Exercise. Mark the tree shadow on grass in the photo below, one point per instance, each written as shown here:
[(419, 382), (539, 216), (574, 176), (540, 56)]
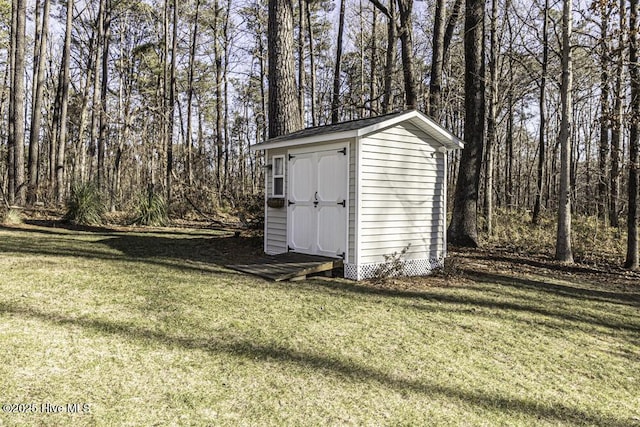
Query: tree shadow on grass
[(326, 364), (605, 274), (180, 251), (559, 308), (64, 225), (574, 292), (220, 250), (54, 227), (195, 253), (146, 244)]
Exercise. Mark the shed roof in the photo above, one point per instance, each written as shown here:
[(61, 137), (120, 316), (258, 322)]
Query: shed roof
[(363, 127)]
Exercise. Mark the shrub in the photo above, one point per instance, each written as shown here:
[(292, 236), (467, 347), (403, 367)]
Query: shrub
[(151, 210), (85, 205), (11, 217), (250, 210), (393, 266)]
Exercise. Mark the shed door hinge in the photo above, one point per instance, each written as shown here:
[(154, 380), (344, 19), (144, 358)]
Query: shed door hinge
[(342, 255), (343, 151), (289, 203), (343, 203), (291, 156)]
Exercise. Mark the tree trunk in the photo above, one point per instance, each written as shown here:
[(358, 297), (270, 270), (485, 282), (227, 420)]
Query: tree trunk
[(563, 237), (11, 140), (64, 104), (103, 130), (284, 116), (335, 100), (603, 152), (124, 117), (225, 79), (301, 45), (192, 59), (492, 135), (53, 139), (96, 110), (218, 92), (508, 178), (463, 230), (387, 100), (39, 63), (616, 132), (633, 218), (542, 105), (19, 102), (172, 100), (437, 58), (262, 122), (405, 8), (373, 103), (361, 97), (312, 65), (451, 26)]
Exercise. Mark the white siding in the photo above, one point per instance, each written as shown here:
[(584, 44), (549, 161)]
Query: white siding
[(402, 195), (353, 157), (276, 219)]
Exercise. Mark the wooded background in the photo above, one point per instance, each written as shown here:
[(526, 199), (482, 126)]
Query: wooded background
[(168, 96)]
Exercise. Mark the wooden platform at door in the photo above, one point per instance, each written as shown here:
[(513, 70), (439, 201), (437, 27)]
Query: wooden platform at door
[(289, 266)]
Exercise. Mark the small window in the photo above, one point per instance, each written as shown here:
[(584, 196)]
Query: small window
[(278, 176)]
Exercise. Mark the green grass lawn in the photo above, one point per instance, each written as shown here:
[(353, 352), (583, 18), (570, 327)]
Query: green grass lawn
[(150, 328)]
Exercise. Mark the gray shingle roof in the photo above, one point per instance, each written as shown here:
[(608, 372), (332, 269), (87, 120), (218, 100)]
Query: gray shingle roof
[(362, 127), (337, 127)]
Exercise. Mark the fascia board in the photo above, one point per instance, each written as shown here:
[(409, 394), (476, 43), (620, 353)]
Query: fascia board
[(441, 135), (304, 141)]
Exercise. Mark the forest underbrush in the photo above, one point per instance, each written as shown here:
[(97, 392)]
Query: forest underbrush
[(594, 242)]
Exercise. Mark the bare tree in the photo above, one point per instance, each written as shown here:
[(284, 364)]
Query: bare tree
[(11, 138), (190, 78), (390, 57), (172, 99), (603, 151), (312, 66), (302, 29), (104, 89), (374, 102), (404, 32), (633, 218), (542, 105), (405, 9), (492, 134), (335, 101), (18, 109), (463, 230), (437, 59), (64, 104), (617, 128), (39, 64), (563, 237)]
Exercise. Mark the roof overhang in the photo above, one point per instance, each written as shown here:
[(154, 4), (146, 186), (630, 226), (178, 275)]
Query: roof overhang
[(441, 135)]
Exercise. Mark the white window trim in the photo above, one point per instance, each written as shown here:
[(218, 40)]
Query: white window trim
[(274, 176)]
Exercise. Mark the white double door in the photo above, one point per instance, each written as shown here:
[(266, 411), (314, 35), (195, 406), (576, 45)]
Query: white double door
[(317, 201)]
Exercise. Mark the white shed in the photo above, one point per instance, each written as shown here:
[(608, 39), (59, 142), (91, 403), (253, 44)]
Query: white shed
[(369, 191)]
